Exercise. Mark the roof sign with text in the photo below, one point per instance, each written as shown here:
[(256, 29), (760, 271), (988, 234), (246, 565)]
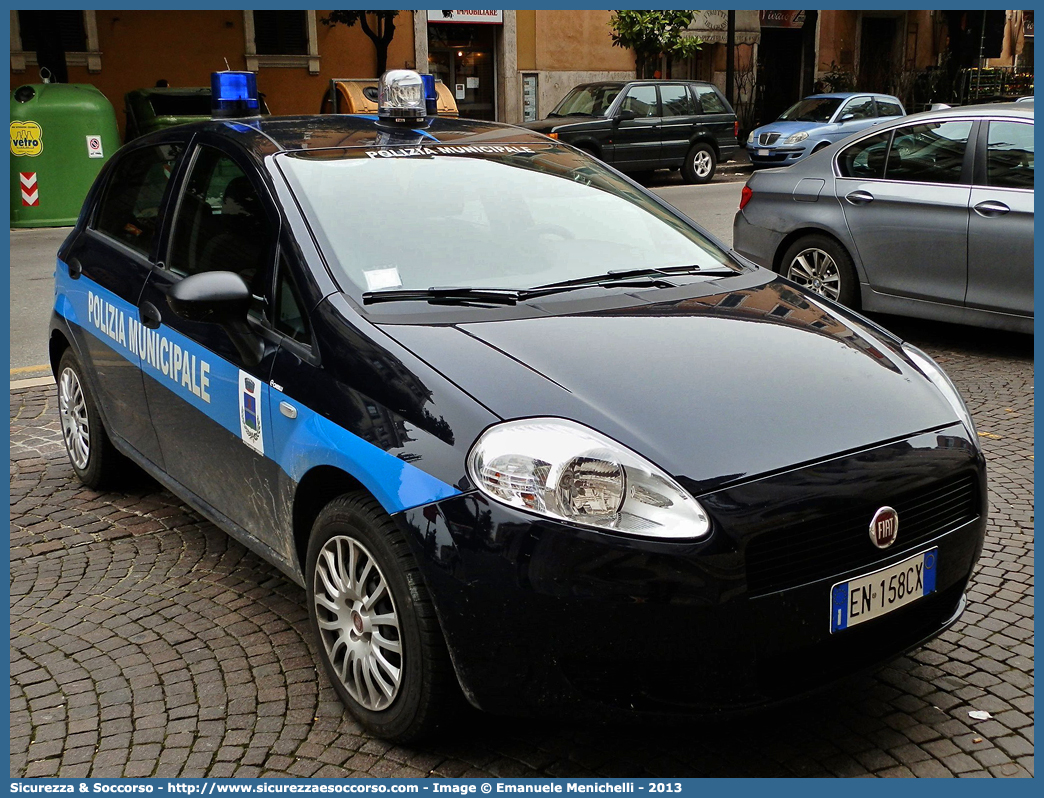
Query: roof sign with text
[(472, 16)]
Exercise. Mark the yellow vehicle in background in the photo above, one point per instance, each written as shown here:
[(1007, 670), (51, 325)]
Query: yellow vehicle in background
[(359, 96)]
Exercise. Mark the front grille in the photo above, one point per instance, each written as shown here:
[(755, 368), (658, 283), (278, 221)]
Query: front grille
[(840, 542), (768, 138)]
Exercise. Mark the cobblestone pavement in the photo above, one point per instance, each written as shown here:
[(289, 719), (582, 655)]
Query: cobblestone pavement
[(147, 643)]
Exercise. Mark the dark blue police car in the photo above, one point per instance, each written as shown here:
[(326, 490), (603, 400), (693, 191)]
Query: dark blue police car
[(524, 432)]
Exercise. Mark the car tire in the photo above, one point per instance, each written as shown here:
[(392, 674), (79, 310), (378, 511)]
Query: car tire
[(700, 164), (93, 457), (399, 695), (821, 265)]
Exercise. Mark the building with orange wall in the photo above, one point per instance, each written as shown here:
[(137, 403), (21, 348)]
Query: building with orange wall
[(487, 60), (506, 65)]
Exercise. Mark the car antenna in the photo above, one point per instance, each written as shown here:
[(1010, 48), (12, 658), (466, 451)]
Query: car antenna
[(227, 67)]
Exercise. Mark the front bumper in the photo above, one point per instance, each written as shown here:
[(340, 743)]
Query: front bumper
[(544, 618), (777, 154)]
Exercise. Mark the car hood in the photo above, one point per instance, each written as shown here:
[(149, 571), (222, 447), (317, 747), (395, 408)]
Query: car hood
[(715, 389), (559, 122), (789, 128)]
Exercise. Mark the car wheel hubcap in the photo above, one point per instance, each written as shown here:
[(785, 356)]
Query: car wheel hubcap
[(816, 270), (701, 164), (358, 622), (72, 409)]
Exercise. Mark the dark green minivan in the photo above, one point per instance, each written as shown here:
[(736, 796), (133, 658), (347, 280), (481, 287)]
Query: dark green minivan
[(640, 125)]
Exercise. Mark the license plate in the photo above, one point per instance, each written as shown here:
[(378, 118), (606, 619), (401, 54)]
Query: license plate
[(879, 593), (763, 152)]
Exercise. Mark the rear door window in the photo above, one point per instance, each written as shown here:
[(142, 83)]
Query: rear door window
[(1009, 155), (677, 101), (130, 208), (888, 108)]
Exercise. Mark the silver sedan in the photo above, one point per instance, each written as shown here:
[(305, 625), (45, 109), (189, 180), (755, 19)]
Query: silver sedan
[(929, 216)]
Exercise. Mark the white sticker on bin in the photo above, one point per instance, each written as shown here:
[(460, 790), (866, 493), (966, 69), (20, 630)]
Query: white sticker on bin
[(377, 279)]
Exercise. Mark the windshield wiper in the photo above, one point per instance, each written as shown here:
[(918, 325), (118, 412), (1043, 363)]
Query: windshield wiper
[(625, 275), (635, 278), (444, 295)]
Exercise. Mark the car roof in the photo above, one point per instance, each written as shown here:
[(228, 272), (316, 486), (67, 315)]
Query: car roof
[(621, 83), (1024, 110), (268, 135), (841, 95)]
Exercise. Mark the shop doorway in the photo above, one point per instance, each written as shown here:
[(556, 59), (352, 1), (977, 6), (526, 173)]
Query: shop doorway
[(779, 71), (876, 53), (463, 57)]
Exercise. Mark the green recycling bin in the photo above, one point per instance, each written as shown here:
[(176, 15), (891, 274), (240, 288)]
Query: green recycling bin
[(61, 135)]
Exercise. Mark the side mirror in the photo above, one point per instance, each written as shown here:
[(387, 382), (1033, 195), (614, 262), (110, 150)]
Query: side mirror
[(847, 118), (219, 298), (624, 116), (214, 297)]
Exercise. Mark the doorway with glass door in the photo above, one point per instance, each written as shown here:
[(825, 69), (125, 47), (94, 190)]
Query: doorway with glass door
[(462, 57)]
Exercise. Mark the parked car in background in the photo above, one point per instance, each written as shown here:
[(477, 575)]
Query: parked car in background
[(929, 216), (817, 122), (648, 124)]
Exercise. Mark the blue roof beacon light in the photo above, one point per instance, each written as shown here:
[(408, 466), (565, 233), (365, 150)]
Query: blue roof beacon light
[(401, 96), (233, 94), (431, 96)]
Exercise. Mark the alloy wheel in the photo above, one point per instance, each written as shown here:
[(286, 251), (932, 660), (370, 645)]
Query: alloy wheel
[(358, 622), (702, 163), (72, 410), (815, 270)]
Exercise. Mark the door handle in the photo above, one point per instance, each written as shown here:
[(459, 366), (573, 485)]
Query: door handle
[(991, 208), (149, 315), (860, 197), (288, 410), (75, 268)]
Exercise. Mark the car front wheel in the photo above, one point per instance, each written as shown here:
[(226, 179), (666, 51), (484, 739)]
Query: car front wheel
[(379, 638), (822, 266), (93, 457), (700, 164)]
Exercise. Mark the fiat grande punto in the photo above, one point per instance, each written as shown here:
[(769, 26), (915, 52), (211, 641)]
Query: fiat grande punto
[(526, 435)]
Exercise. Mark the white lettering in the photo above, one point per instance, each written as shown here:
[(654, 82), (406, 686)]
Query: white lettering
[(204, 380)]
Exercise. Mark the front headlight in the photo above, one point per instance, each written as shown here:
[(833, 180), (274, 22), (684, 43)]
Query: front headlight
[(563, 470), (749, 137), (938, 378), (795, 138)]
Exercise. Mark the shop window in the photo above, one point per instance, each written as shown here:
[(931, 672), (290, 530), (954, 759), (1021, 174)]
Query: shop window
[(78, 31), (281, 39)]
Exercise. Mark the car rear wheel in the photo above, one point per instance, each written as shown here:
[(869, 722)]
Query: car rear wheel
[(700, 164), (379, 638), (822, 266), (93, 457)]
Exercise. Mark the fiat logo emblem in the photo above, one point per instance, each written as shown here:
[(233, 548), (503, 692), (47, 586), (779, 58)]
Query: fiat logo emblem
[(884, 527)]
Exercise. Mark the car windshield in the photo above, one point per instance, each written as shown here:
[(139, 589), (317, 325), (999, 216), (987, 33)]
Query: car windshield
[(811, 109), (587, 101), (526, 216)]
